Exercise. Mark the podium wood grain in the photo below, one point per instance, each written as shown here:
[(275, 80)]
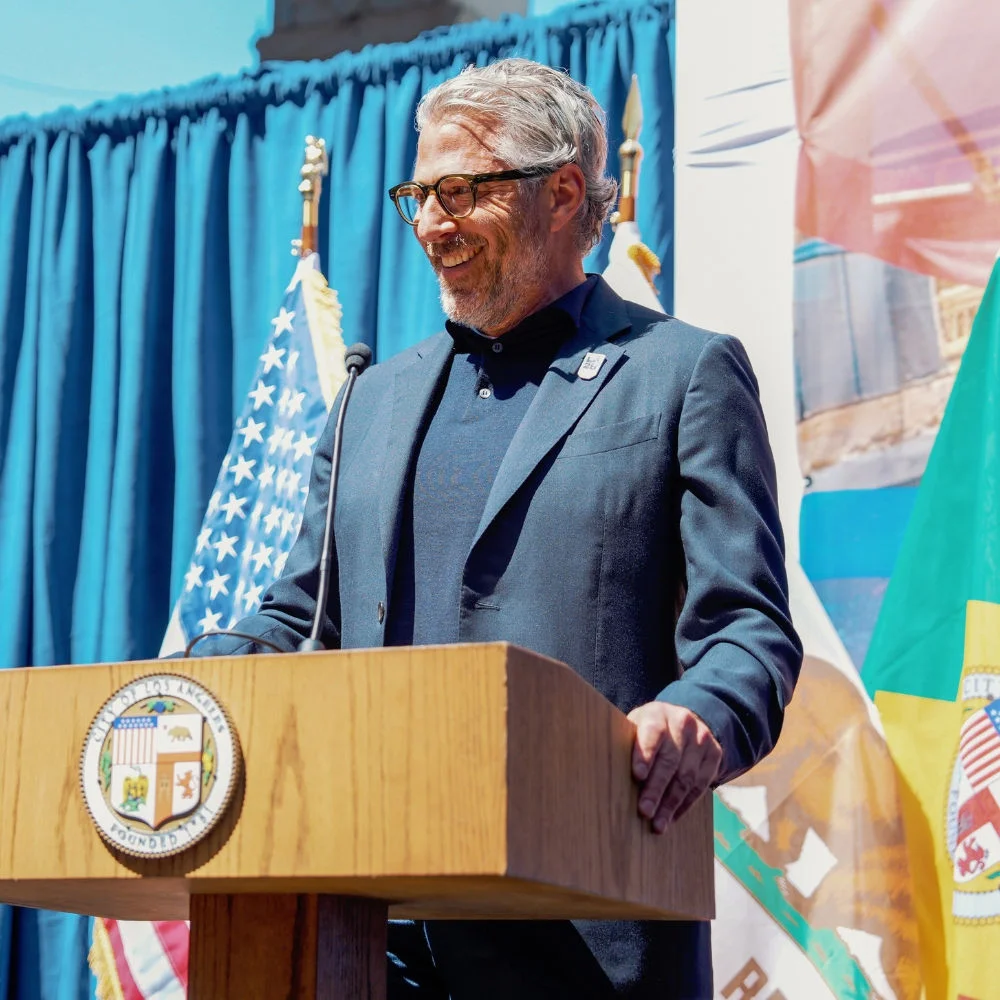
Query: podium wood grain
[(471, 781)]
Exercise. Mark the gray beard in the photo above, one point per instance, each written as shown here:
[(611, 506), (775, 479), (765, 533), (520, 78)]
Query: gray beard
[(495, 302)]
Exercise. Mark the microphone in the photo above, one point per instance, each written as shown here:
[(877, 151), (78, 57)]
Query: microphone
[(356, 360)]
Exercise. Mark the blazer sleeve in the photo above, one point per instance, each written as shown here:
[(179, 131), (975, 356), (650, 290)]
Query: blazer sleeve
[(738, 651), (286, 613)]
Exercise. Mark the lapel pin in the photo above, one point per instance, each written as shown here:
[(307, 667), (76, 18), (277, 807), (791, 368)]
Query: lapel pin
[(591, 365)]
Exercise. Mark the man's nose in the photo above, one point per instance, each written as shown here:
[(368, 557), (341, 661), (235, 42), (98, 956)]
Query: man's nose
[(433, 222)]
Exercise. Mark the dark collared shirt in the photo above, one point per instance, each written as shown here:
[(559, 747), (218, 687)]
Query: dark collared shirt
[(484, 395)]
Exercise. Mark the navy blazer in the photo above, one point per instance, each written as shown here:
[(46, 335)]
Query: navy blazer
[(631, 532)]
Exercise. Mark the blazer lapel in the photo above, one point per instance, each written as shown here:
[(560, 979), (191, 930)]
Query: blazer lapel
[(561, 398), (411, 399)]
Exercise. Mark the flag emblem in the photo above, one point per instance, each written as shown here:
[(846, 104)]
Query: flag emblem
[(159, 765), (973, 814)]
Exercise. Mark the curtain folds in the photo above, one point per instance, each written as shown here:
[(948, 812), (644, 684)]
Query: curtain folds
[(144, 246)]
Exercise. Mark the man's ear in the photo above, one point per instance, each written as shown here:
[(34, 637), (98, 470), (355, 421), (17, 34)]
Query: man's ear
[(567, 189)]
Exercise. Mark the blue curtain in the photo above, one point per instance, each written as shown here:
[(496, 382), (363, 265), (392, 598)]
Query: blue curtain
[(144, 246)]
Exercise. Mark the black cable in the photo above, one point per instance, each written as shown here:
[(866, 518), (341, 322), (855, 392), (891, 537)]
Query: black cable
[(239, 635)]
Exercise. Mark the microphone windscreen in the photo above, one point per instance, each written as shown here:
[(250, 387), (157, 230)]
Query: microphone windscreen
[(358, 356)]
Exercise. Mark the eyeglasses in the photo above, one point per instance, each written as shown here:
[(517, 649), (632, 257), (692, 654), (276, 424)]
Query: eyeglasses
[(456, 193)]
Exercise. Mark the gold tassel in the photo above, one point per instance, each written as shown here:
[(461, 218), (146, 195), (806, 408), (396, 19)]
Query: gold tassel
[(646, 261), (101, 959)]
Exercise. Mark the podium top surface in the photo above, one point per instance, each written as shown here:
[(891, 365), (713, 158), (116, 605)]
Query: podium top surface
[(454, 781)]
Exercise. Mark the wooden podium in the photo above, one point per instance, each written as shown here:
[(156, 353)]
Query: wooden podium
[(436, 782)]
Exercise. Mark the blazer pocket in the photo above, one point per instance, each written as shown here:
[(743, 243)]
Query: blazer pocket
[(610, 437)]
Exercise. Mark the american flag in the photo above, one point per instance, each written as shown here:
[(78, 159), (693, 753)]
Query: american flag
[(132, 739), (253, 518), (254, 513), (979, 746)]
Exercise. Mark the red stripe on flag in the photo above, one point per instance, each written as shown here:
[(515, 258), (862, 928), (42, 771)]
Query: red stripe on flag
[(980, 751), (175, 937), (129, 989), (979, 747), (976, 736)]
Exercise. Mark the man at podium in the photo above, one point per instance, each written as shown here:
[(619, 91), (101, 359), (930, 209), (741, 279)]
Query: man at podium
[(563, 470)]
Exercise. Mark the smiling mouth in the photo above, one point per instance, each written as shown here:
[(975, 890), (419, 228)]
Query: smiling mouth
[(459, 256)]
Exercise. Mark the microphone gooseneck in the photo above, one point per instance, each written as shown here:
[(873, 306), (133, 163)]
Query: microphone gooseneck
[(356, 359)]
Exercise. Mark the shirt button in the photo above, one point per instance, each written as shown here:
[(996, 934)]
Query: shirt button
[(381, 612), (484, 393), (497, 347)]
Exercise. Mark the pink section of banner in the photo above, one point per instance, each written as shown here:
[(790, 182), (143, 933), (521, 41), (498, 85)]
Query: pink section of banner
[(899, 114)]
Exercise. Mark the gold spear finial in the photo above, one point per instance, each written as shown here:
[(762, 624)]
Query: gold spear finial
[(315, 166), (629, 154)]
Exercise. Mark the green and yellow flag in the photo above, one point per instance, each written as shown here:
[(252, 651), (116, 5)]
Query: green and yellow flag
[(934, 669)]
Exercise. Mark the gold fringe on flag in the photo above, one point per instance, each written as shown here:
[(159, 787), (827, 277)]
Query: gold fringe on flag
[(646, 261), (325, 314), (101, 959)]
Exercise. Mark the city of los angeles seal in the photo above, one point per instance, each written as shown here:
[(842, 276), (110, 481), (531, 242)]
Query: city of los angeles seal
[(159, 765)]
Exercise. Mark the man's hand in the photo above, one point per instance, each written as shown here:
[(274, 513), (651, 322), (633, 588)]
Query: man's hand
[(675, 758)]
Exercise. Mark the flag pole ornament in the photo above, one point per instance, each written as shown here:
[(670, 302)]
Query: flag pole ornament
[(315, 166), (629, 155), (628, 253)]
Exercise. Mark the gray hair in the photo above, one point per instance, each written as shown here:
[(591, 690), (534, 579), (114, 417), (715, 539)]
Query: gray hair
[(543, 118)]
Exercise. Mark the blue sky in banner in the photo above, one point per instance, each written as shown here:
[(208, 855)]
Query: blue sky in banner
[(69, 53)]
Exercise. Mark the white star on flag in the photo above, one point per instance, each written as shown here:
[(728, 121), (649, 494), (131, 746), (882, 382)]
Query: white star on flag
[(251, 431), (282, 323), (225, 546), (243, 469), (293, 358), (295, 403), (234, 507), (192, 578), (217, 585), (261, 395), (252, 598), (304, 446), (274, 440), (211, 620), (203, 536), (266, 477), (262, 557), (258, 509), (271, 358), (272, 519)]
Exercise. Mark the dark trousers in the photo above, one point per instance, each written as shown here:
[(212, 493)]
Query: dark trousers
[(548, 960)]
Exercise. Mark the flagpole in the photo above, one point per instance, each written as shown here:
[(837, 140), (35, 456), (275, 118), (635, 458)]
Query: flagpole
[(629, 155), (628, 253), (315, 166)]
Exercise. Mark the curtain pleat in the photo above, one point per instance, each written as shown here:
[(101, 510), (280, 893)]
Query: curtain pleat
[(144, 247)]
